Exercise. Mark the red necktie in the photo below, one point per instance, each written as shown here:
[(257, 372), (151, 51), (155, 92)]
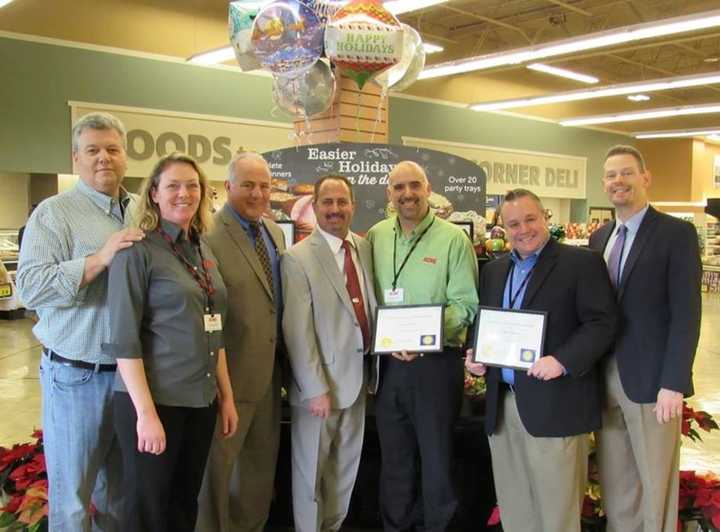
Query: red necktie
[(353, 287)]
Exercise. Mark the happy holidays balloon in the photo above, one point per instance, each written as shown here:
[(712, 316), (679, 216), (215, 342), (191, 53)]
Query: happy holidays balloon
[(287, 37), (362, 39)]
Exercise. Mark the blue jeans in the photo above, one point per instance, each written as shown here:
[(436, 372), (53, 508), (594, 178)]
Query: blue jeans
[(83, 458)]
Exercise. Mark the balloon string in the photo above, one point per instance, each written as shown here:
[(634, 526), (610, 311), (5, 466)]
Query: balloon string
[(357, 114), (378, 116), (308, 128)]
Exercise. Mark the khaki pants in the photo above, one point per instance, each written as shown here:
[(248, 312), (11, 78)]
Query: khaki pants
[(539, 482), (639, 461)]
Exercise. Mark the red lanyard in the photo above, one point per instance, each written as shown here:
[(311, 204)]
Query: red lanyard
[(204, 281)]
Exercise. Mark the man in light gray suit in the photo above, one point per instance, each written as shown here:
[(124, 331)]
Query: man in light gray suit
[(328, 307)]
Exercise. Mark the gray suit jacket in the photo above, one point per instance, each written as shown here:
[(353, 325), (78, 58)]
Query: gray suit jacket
[(251, 328), (323, 339)]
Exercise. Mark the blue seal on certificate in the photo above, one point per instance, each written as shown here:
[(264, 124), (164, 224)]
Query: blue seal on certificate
[(427, 339), (527, 355)]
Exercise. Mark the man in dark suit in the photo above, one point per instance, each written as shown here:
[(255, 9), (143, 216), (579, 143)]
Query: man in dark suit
[(538, 420), (654, 263)]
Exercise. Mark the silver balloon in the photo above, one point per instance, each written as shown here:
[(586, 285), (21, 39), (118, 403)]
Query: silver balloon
[(406, 72), (308, 94)]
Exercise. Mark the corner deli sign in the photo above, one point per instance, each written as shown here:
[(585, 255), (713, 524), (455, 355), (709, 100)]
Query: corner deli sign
[(460, 181)]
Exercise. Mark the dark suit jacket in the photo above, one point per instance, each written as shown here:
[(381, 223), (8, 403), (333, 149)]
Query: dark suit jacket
[(659, 306), (572, 286)]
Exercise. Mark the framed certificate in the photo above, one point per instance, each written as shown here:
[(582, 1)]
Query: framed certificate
[(288, 229), (509, 338), (468, 227), (411, 328)]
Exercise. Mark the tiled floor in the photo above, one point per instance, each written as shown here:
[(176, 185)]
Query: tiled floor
[(20, 389)]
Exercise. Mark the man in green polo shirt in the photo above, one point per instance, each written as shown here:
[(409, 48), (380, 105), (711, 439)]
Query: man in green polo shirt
[(421, 259)]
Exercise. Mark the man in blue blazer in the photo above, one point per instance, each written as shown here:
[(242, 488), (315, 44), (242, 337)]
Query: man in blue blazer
[(538, 420), (654, 263)]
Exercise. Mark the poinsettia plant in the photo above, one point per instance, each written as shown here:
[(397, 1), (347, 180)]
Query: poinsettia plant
[(474, 385), (700, 497), (24, 487)]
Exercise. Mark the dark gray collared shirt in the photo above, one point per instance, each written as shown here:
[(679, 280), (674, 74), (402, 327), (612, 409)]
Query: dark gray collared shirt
[(156, 311)]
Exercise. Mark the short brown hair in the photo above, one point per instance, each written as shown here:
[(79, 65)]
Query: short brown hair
[(518, 193), (624, 149), (336, 177)]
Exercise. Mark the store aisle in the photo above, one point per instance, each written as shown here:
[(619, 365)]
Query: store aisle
[(20, 388)]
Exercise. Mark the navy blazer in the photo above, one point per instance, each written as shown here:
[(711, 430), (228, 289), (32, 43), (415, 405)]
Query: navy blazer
[(572, 285), (659, 305)]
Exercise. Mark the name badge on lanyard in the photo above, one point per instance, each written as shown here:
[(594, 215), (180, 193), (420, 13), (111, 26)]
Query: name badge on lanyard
[(396, 295), (213, 322)]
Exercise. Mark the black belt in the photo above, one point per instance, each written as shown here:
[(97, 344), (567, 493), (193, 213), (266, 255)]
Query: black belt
[(52, 355)]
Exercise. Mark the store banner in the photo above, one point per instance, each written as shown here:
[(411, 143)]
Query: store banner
[(548, 175), (458, 185), (211, 140)]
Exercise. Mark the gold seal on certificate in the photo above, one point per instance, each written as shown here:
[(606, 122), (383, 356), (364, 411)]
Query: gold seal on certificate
[(509, 338), (411, 328)]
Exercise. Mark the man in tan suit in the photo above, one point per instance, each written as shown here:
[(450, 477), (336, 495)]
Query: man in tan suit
[(238, 484), (329, 303)]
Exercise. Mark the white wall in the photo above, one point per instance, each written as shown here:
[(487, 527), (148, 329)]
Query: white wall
[(14, 203)]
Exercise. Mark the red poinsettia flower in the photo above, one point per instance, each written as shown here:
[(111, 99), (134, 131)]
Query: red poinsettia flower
[(494, 518)]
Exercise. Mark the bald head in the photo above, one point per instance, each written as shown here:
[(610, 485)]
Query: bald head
[(409, 190)]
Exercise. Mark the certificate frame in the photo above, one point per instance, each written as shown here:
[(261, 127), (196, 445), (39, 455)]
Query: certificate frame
[(288, 229), (468, 226), (489, 361), (390, 309)]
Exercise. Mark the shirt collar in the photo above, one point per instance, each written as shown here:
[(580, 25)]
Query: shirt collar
[(243, 222), (633, 223), (103, 201), (419, 228), (334, 242), (530, 259), (175, 231)]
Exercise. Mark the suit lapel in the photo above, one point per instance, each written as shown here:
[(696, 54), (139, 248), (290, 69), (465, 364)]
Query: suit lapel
[(604, 235), (645, 231), (497, 285), (545, 264), (239, 236), (276, 237), (327, 263)]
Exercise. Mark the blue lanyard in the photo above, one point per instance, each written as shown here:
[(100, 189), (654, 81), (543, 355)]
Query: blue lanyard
[(513, 296)]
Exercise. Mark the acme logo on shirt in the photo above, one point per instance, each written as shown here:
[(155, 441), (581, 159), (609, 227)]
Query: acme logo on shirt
[(430, 260)]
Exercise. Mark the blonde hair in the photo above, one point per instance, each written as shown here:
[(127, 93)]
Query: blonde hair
[(147, 212)]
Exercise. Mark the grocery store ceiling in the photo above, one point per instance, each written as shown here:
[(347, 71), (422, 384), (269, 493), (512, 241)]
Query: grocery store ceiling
[(181, 28)]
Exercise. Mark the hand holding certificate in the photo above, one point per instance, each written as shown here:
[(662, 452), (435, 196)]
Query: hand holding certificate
[(410, 328), (509, 338)]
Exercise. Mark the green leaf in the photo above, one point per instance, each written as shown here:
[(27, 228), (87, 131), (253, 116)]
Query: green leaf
[(6, 519)]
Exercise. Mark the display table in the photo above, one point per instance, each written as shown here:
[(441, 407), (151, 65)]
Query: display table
[(472, 472)]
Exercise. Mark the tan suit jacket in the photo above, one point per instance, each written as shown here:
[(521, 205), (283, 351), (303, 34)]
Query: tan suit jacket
[(323, 338), (250, 329)]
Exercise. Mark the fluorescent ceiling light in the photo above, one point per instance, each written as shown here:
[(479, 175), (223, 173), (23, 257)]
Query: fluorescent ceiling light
[(676, 133), (563, 73), (638, 97), (397, 7), (612, 37), (431, 48), (211, 57), (644, 115), (714, 138), (602, 92)]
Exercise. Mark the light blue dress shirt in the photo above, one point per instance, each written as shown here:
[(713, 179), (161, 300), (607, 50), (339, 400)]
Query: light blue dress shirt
[(632, 224), (519, 279)]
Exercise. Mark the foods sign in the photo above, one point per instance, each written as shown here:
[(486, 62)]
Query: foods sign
[(458, 185)]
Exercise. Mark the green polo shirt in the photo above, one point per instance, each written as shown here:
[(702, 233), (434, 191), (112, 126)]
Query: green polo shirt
[(441, 269)]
